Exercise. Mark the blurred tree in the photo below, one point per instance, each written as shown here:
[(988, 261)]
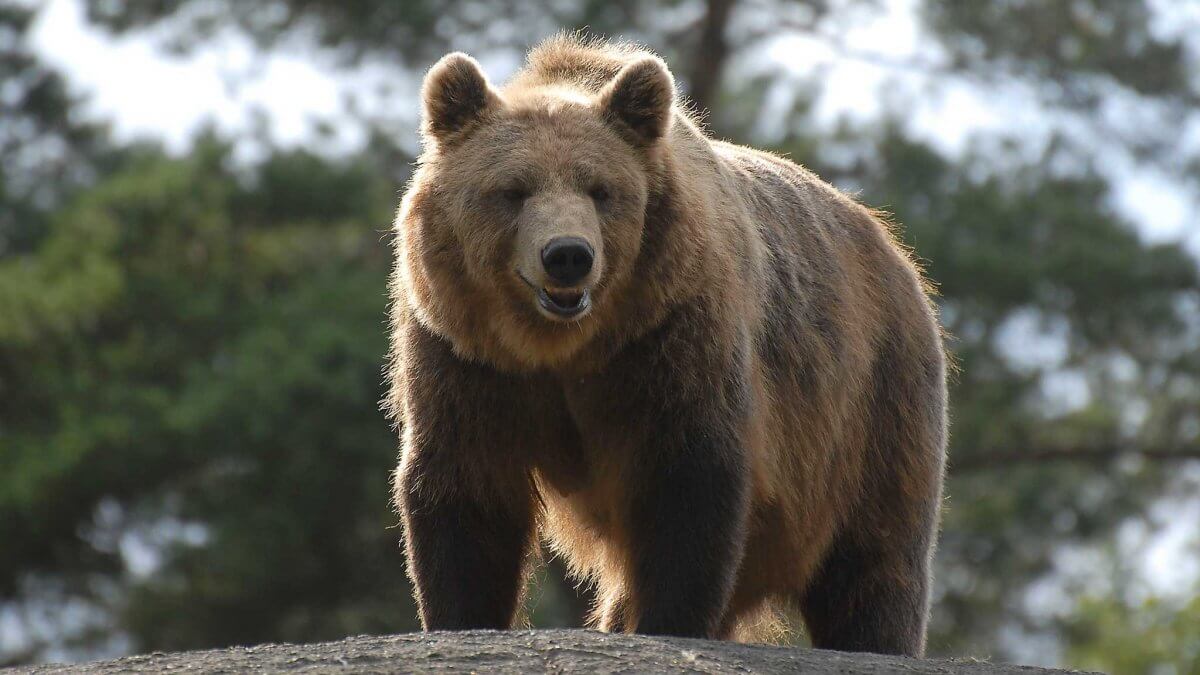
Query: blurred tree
[(186, 348), (189, 352), (1156, 635), (45, 150)]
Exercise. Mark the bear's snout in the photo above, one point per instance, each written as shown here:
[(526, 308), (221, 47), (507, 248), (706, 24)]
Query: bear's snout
[(567, 260)]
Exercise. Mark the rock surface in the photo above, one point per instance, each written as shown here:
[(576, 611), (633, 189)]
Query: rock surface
[(543, 651)]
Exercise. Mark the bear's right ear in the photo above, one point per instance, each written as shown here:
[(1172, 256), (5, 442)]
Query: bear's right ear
[(455, 96)]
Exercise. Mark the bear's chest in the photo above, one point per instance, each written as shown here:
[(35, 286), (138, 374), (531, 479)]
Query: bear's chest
[(594, 444), (583, 492)]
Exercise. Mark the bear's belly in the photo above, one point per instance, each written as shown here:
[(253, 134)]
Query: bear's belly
[(585, 527)]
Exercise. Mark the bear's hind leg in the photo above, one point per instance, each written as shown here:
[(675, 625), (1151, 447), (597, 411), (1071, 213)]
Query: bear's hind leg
[(871, 592), (612, 614), (865, 599)]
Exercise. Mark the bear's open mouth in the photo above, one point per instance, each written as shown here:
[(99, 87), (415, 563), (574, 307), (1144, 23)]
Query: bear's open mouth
[(567, 304)]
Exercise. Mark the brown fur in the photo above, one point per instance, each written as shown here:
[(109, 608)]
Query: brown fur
[(752, 411)]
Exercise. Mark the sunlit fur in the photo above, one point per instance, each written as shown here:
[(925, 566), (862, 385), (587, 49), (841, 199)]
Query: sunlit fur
[(733, 286)]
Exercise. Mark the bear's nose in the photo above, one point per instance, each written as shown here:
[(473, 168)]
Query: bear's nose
[(567, 260)]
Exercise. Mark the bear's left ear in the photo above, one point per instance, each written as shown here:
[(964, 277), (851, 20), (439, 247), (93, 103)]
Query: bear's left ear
[(456, 95), (638, 100)]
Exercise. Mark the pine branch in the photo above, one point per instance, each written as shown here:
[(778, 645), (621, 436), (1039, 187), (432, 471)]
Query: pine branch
[(989, 460)]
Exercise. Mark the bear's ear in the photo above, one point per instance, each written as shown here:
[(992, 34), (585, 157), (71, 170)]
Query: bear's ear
[(638, 100), (455, 96)]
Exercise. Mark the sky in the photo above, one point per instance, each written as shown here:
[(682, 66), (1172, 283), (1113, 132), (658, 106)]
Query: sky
[(146, 92)]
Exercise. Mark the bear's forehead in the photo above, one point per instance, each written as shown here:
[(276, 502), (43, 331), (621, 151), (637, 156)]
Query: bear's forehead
[(546, 122), (554, 140)]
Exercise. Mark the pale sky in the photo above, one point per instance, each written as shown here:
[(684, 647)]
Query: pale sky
[(145, 92)]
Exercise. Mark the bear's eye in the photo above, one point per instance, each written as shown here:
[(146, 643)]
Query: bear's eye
[(599, 193), (514, 195)]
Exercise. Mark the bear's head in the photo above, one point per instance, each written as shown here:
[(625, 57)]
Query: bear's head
[(527, 213)]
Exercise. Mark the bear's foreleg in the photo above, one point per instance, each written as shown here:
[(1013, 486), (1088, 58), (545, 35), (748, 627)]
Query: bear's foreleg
[(463, 487), (466, 560), (688, 534)]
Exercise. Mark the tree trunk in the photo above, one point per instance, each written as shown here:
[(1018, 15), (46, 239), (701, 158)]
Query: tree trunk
[(712, 51)]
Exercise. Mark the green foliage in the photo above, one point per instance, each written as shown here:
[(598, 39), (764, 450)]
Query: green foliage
[(1156, 635), (188, 347)]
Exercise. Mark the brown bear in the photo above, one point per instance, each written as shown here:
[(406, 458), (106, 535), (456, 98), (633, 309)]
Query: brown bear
[(710, 381)]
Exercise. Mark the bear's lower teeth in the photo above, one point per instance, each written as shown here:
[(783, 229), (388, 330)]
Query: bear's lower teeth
[(564, 304)]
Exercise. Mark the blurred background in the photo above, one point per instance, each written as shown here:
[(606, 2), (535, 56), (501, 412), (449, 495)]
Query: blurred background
[(194, 204)]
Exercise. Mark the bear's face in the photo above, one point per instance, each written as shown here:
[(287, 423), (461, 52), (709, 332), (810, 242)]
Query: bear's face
[(535, 200)]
